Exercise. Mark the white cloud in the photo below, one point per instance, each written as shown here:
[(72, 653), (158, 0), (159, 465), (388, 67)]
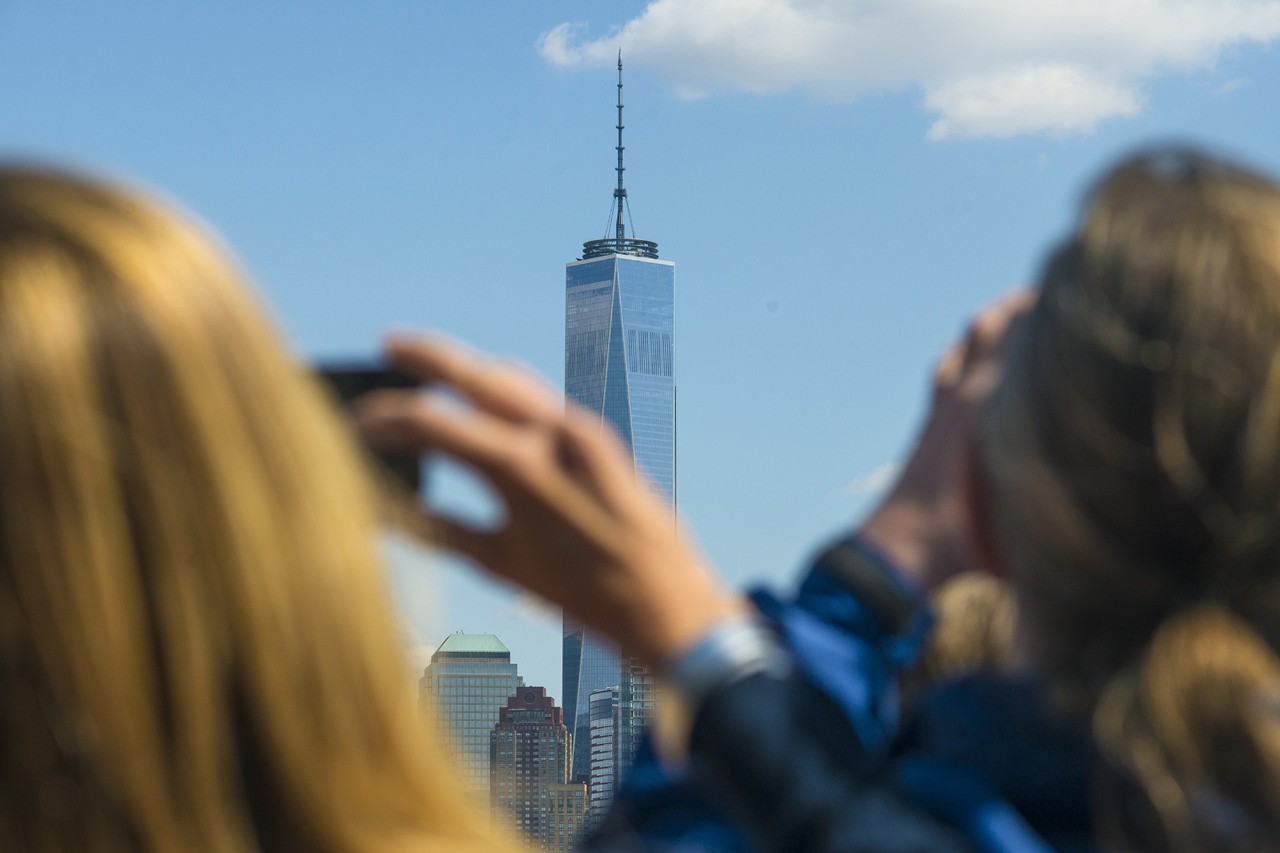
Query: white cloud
[(1232, 85), (1059, 99), (877, 481), (985, 67)]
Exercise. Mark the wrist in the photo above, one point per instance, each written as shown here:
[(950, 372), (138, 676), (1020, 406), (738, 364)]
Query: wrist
[(897, 529), (924, 537), (687, 619), (732, 649)]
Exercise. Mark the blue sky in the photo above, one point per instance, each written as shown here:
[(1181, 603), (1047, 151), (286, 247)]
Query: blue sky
[(840, 183)]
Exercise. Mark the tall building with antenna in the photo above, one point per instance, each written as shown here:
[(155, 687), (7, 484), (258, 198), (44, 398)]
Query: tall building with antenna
[(619, 362)]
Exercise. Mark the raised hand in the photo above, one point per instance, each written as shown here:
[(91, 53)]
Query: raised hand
[(927, 522), (581, 529)]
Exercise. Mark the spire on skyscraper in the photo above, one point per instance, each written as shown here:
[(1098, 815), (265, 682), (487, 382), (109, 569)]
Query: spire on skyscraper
[(619, 243), (620, 194)]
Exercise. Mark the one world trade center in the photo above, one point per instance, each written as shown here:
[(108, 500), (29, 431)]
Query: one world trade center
[(619, 363)]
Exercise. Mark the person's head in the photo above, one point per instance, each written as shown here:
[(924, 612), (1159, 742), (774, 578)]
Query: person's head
[(196, 651), (1132, 455)]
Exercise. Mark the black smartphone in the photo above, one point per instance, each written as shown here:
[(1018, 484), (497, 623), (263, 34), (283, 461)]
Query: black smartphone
[(352, 380)]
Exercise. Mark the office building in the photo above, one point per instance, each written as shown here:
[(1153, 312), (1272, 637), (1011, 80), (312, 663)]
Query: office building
[(637, 698), (596, 666), (620, 365), (603, 749), (467, 684), (617, 720), (567, 813), (529, 751)]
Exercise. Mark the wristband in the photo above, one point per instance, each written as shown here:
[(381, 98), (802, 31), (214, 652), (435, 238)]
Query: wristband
[(731, 651)]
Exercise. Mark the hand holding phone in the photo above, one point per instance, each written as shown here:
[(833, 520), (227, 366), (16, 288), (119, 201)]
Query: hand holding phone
[(352, 380)]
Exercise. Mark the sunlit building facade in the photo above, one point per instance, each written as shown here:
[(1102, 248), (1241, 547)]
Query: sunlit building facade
[(567, 813), (620, 355), (529, 752), (619, 364), (467, 685)]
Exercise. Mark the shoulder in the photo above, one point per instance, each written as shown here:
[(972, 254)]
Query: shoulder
[(691, 818)]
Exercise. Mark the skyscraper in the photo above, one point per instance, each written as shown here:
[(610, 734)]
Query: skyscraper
[(637, 696), (468, 682), (529, 770), (618, 716), (603, 746), (619, 360)]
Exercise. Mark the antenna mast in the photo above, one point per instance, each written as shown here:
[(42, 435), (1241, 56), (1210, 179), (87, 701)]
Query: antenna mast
[(619, 243), (620, 194)]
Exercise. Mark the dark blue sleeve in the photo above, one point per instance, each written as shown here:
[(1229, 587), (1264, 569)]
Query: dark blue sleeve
[(855, 625), (766, 748)]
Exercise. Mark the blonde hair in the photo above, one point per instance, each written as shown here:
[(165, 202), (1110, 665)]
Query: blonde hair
[(1133, 452), (973, 631), (196, 649)]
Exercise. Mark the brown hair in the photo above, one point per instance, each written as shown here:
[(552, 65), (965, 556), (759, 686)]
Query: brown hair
[(196, 649), (1134, 456)]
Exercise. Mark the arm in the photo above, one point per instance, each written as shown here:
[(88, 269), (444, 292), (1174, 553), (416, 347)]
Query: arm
[(928, 524), (581, 532)]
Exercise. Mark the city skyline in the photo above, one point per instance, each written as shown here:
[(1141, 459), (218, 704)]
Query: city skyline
[(836, 213)]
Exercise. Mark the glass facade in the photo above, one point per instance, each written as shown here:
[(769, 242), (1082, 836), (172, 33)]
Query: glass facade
[(603, 745), (637, 700), (467, 685), (619, 354), (597, 666), (619, 363), (570, 664)]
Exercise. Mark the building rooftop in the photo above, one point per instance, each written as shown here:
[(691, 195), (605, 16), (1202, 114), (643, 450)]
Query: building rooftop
[(619, 246), (471, 644)]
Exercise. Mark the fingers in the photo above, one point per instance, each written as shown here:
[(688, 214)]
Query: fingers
[(508, 401), (479, 546), (501, 388), (410, 423), (990, 329), (592, 453), (984, 339)]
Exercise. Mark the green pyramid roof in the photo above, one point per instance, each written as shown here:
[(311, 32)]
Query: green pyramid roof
[(460, 643)]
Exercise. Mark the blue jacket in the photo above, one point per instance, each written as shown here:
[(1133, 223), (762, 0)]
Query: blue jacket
[(823, 758)]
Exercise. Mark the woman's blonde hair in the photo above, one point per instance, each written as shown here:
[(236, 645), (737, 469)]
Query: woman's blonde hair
[(1133, 453), (196, 649)]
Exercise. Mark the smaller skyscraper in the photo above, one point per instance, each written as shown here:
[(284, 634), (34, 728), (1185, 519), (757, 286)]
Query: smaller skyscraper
[(467, 684), (603, 749), (618, 718), (529, 750), (637, 701)]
